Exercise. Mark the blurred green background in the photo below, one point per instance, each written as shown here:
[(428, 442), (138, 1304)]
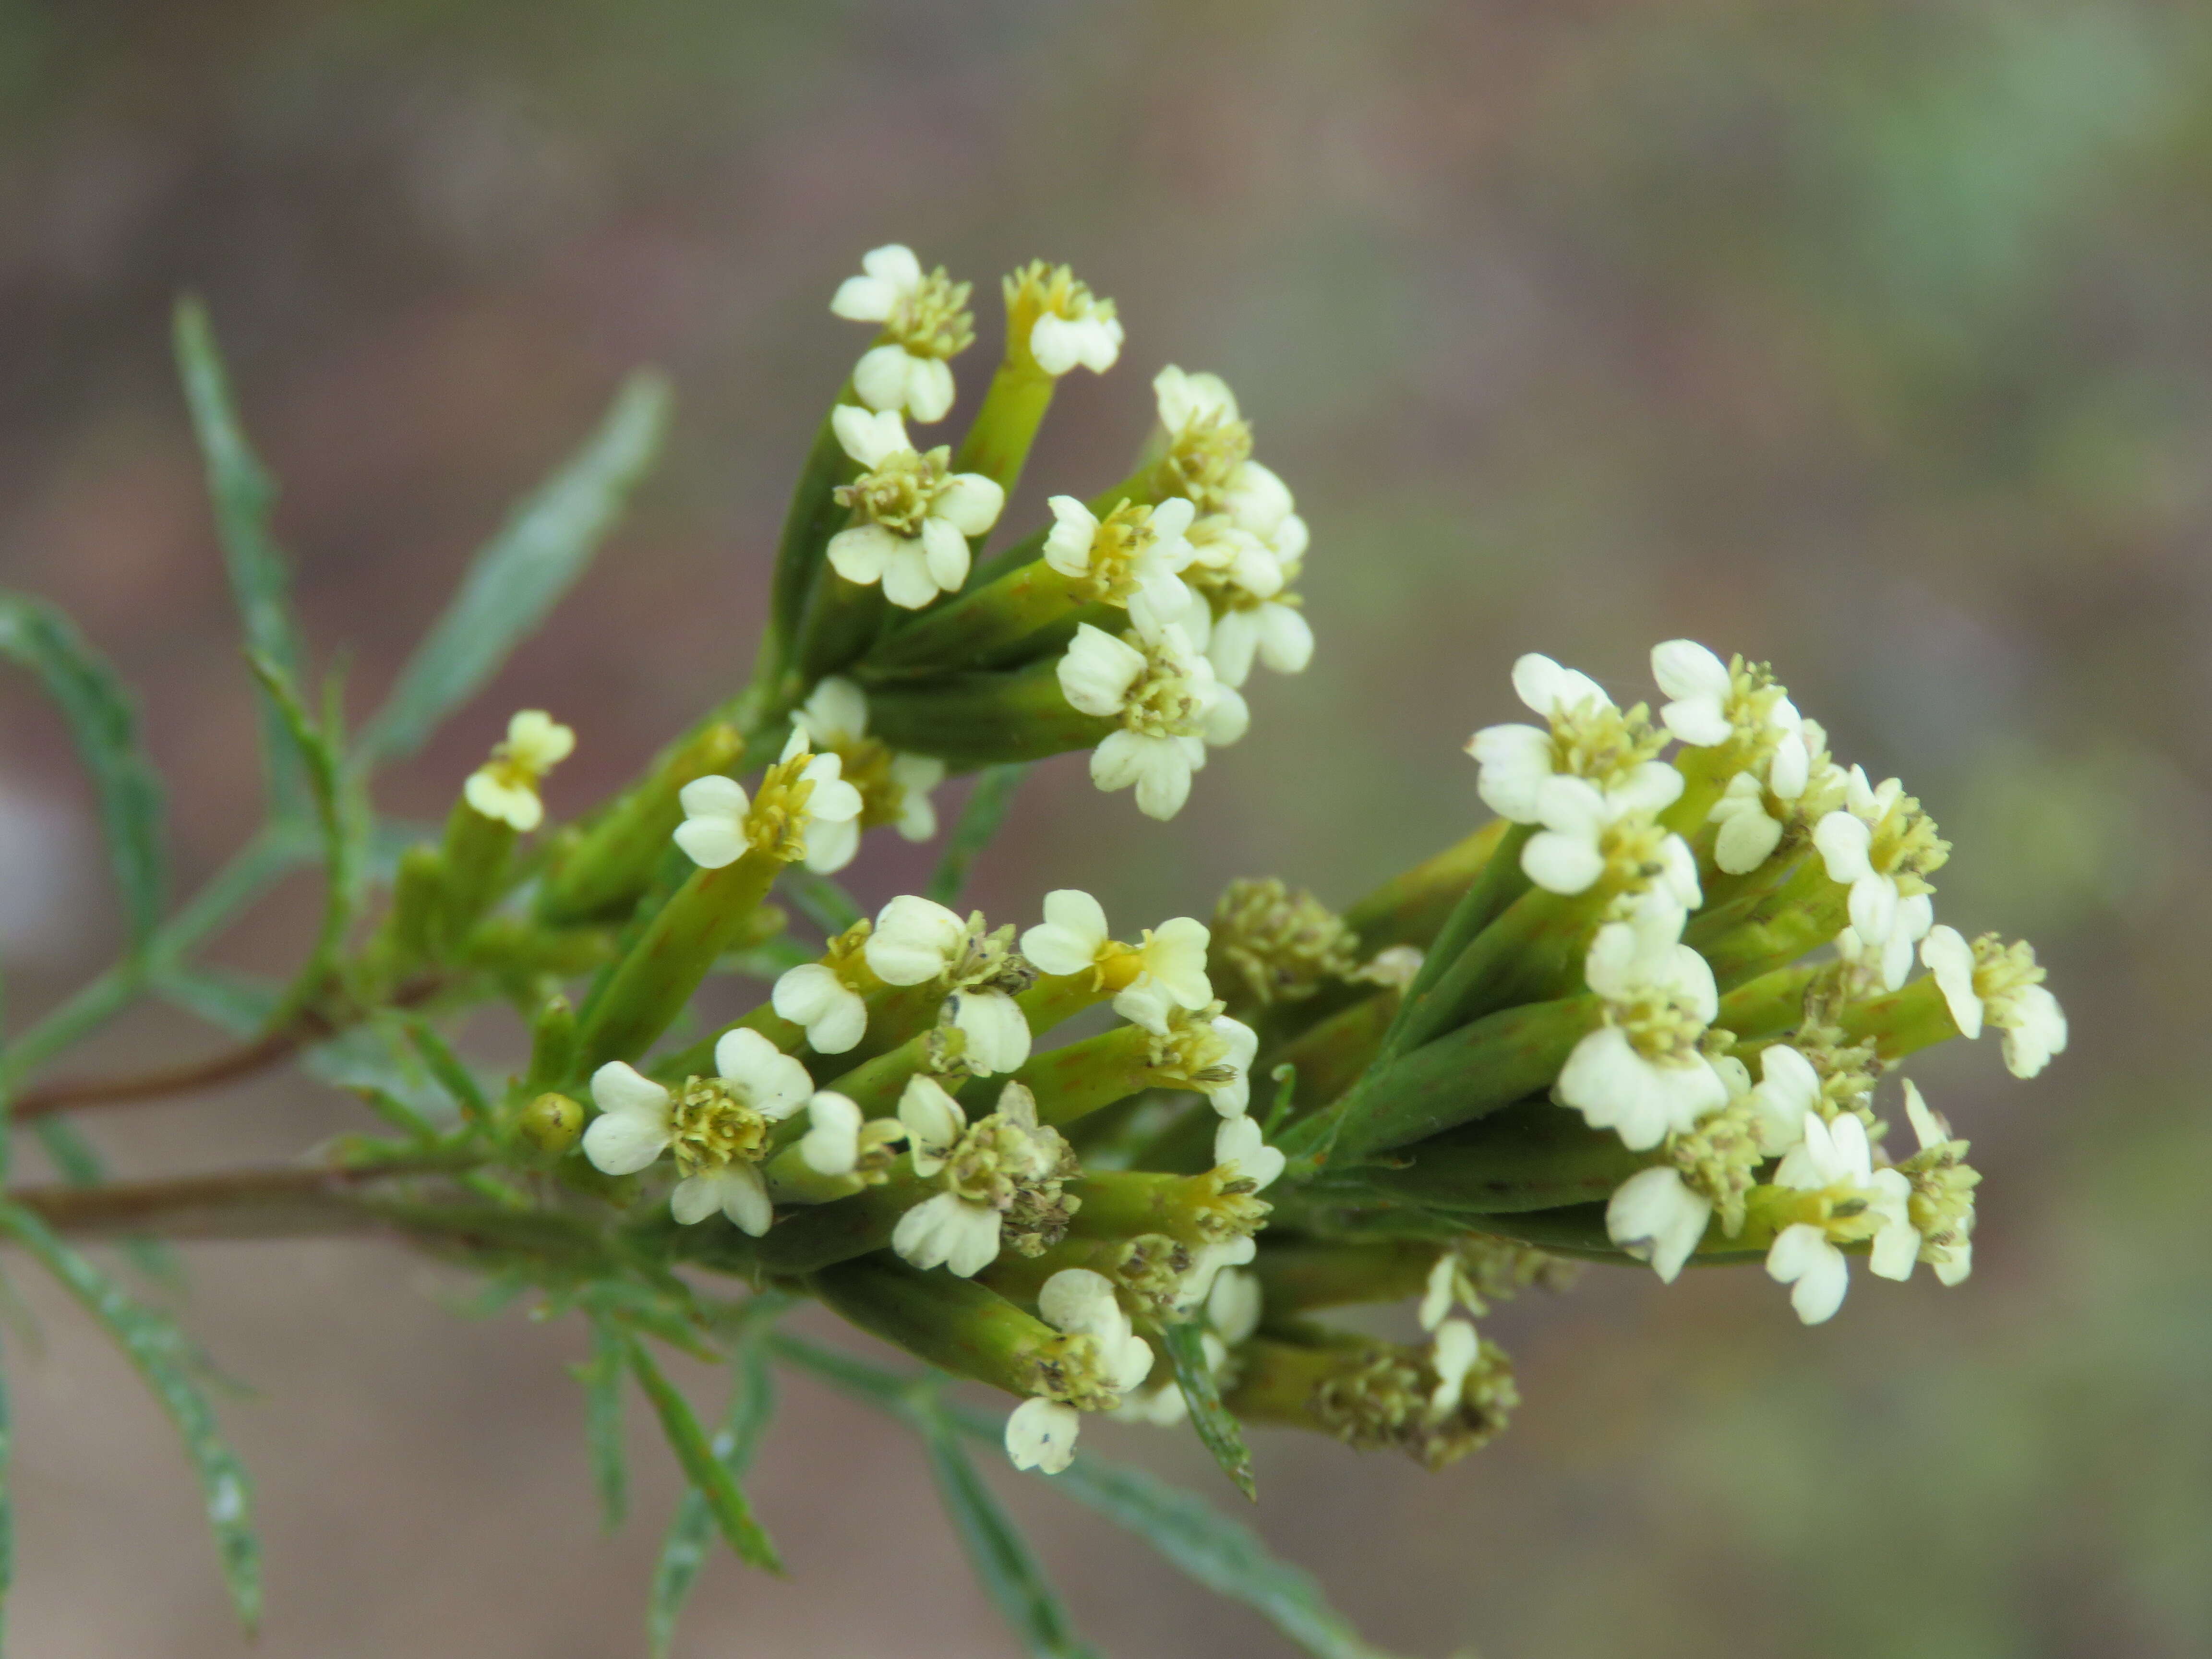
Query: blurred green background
[(1872, 338)]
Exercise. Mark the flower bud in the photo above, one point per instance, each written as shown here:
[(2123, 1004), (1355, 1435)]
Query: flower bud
[(552, 1123)]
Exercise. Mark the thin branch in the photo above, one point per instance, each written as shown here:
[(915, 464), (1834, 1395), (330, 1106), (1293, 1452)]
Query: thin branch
[(192, 1077), (232, 1204)]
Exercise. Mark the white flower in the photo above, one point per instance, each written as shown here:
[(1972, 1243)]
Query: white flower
[(831, 1144), (934, 1123), (1569, 853), (1788, 1089), (915, 940), (1516, 760), (1245, 614), (1879, 845), (947, 1231), (1988, 982), (834, 1014), (1641, 1072), (916, 514), (1237, 1144), (1132, 558), (1170, 963), (926, 316), (1713, 701), (1169, 705), (1081, 1302), (1942, 1205), (1656, 1217), (1074, 326), (984, 1170), (1207, 1262), (996, 1030), (895, 788), (1041, 1435), (719, 823), (1836, 1159), (1232, 1095), (505, 787), (713, 833), (716, 1126)]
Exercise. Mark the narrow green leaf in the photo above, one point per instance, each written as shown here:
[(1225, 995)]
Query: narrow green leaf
[(987, 808), (320, 747), (105, 723), (752, 1403), (886, 1390), (822, 901), (603, 1419), (244, 496), (78, 1163), (1223, 1554), (709, 1475), (1009, 1573), (1217, 1428), (1217, 1551), (521, 573), (158, 1350)]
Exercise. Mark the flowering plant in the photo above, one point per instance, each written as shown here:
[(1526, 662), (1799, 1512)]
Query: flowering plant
[(1646, 1014)]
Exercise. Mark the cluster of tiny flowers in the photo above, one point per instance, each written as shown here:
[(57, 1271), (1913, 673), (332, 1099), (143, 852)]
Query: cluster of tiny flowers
[(1797, 1158)]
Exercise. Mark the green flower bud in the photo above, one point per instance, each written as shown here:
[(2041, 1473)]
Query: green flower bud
[(552, 1123)]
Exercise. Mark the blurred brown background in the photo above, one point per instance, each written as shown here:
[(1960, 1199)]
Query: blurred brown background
[(1869, 337)]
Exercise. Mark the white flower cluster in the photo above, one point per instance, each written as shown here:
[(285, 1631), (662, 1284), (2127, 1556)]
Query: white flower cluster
[(1593, 779)]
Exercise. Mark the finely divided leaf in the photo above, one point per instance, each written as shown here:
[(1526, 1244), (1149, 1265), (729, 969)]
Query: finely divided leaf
[(710, 1477), (752, 1403), (1010, 1574), (1224, 1555), (158, 1350), (244, 496), (1217, 1428), (521, 573), (105, 726)]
